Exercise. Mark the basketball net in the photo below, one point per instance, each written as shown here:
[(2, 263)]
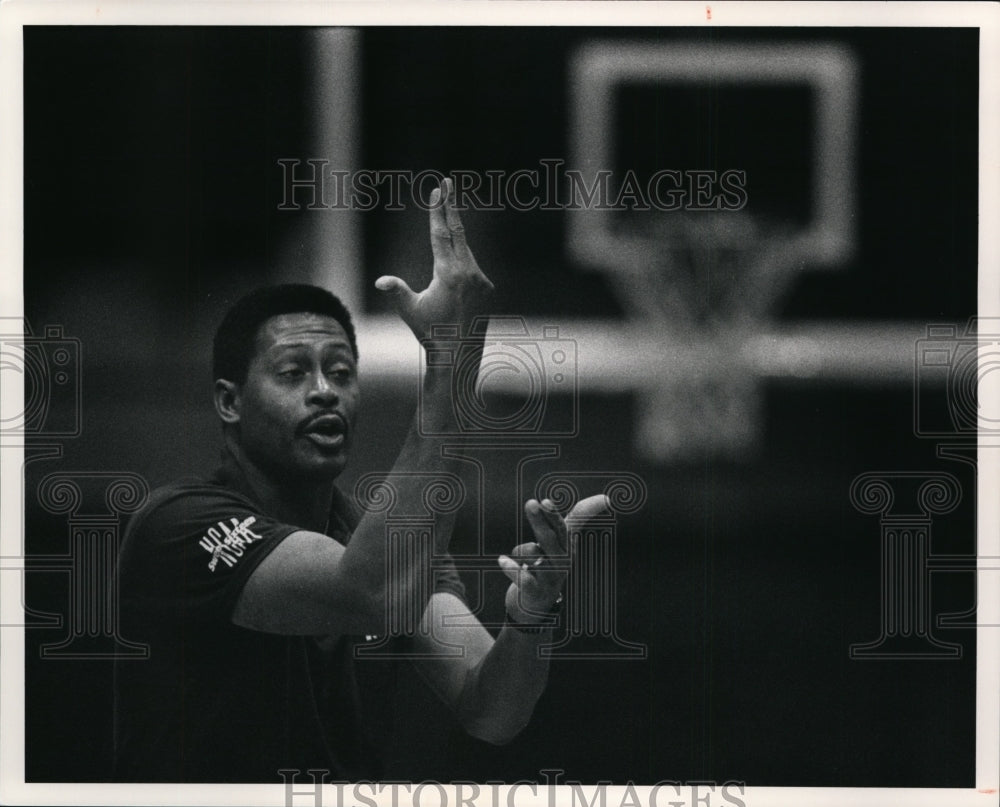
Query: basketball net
[(711, 282)]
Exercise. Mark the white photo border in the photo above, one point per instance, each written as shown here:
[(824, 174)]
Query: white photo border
[(984, 16)]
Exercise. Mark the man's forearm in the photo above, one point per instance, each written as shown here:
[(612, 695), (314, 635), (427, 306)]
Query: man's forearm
[(458, 295), (501, 691), (393, 583)]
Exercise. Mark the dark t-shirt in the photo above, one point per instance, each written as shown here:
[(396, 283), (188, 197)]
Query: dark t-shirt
[(215, 702)]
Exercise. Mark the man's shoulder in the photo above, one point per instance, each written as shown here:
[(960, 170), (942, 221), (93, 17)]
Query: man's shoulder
[(195, 504), (191, 532), (192, 487), (188, 498)]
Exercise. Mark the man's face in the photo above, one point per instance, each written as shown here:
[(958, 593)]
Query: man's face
[(300, 399)]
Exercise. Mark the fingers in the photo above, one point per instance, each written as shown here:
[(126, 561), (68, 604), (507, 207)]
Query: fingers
[(452, 257), (441, 244), (548, 526), (452, 219), (459, 292), (530, 554), (540, 582), (534, 592), (393, 285), (400, 295), (539, 569), (587, 509), (512, 569), (447, 230)]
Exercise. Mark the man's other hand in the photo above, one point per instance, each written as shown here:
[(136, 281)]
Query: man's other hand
[(538, 570)]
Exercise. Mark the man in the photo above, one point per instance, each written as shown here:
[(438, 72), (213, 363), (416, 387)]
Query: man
[(253, 587)]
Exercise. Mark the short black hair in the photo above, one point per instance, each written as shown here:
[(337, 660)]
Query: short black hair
[(235, 340)]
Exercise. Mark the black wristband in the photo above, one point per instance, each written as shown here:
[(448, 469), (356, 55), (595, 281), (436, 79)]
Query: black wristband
[(534, 627), (525, 627)]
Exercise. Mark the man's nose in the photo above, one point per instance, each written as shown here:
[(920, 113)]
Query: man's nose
[(321, 390)]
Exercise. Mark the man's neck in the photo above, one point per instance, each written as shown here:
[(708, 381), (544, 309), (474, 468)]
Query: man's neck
[(302, 503)]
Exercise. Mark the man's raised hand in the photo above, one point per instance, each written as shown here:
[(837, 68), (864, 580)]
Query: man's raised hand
[(458, 291)]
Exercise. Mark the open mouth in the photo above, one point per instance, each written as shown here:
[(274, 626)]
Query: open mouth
[(326, 431)]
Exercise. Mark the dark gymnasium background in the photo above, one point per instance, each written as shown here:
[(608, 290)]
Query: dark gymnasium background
[(151, 190)]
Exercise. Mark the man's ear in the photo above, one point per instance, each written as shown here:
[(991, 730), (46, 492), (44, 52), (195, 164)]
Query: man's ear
[(227, 401)]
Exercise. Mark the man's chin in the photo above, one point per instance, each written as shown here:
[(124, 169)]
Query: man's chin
[(323, 467), (310, 467)]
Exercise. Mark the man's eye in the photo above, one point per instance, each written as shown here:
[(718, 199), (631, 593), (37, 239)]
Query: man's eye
[(290, 372), (340, 373)]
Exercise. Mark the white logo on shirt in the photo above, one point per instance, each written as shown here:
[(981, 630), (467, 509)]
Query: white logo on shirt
[(228, 541)]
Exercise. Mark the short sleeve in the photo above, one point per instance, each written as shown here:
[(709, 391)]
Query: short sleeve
[(188, 554)]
